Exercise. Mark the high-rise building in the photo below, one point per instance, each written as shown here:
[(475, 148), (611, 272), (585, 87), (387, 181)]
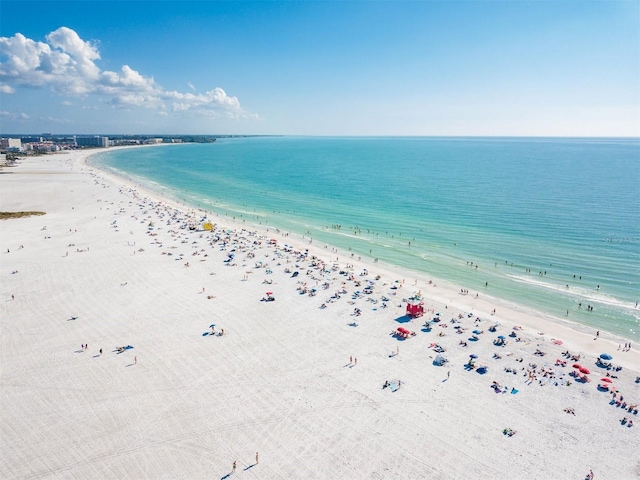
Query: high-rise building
[(11, 144), (95, 141)]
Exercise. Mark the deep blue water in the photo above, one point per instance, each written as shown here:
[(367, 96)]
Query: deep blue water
[(530, 213)]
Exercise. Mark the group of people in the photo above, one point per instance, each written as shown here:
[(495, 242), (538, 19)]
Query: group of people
[(626, 348)]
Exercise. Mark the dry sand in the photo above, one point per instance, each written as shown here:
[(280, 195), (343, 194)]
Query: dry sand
[(107, 266)]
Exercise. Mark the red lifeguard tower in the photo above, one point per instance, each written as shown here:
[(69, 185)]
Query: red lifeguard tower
[(415, 306)]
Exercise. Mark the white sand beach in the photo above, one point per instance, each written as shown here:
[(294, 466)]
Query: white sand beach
[(300, 380)]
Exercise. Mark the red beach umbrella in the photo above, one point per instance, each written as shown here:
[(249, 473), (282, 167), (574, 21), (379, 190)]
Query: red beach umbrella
[(606, 380), (269, 293), (576, 365), (584, 370)]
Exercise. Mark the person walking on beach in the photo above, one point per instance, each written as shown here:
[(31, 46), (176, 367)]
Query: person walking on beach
[(135, 360), (234, 466), (257, 458)]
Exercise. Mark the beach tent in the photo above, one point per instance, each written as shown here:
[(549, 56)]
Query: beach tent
[(403, 331), (606, 356), (439, 360)]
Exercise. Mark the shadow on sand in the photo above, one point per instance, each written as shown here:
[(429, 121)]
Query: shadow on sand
[(404, 319)]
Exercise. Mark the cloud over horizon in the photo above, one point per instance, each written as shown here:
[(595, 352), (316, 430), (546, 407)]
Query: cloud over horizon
[(66, 64)]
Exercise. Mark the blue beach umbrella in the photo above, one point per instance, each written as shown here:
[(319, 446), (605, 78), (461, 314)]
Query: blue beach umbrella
[(501, 337), (212, 325), (606, 356), (477, 332), (473, 355)]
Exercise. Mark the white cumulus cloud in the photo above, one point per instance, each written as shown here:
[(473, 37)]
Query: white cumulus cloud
[(13, 115), (66, 64)]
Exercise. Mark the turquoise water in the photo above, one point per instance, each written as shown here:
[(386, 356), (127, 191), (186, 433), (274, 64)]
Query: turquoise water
[(528, 213)]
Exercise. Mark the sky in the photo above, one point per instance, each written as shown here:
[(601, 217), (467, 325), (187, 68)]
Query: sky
[(323, 68)]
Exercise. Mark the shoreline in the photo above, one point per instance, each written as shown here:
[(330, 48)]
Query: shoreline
[(487, 303), (110, 265), (448, 258)]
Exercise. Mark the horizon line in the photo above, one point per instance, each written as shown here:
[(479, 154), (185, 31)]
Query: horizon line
[(306, 135)]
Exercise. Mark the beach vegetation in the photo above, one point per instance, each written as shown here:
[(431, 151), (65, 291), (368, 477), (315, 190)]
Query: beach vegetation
[(8, 215)]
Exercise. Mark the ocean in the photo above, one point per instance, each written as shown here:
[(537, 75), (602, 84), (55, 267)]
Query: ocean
[(550, 223)]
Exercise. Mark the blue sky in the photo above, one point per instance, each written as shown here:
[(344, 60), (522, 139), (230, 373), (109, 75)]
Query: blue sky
[(540, 68)]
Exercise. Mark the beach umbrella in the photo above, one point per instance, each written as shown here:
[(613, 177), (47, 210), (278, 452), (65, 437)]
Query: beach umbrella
[(584, 370), (212, 325), (606, 380), (606, 356), (477, 332), (473, 355), (269, 293), (501, 337), (576, 365)]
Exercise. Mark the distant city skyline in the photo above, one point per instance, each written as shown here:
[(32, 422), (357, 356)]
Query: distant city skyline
[(431, 68)]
